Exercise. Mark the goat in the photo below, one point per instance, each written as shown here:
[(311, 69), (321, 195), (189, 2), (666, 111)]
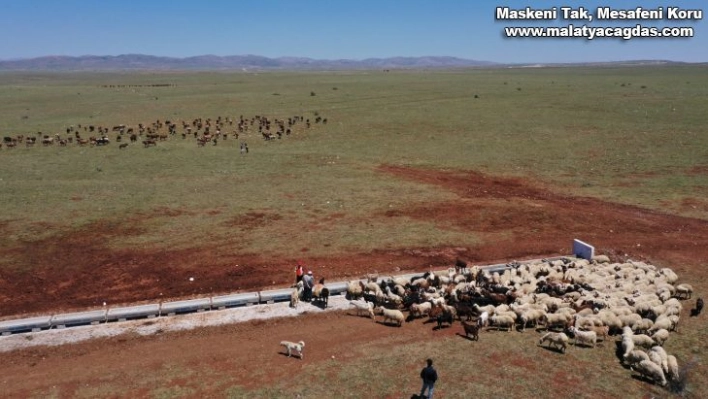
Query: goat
[(471, 329)]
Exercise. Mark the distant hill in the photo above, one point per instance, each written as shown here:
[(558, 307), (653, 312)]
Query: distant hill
[(234, 62)]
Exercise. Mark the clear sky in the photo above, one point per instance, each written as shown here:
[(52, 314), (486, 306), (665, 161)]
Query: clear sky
[(324, 29)]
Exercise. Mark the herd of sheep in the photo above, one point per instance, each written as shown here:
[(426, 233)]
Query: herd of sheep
[(573, 298)]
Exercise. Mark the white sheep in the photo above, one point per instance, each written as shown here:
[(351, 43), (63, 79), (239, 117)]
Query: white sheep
[(684, 291), (584, 337), (610, 320), (664, 294), (673, 302), (671, 277), (479, 309), (644, 325), (660, 336), (393, 315), (661, 322), (556, 320), (372, 287), (420, 309), (393, 297), (658, 355), (363, 306), (630, 319), (649, 369), (635, 357), (673, 373), (674, 319), (531, 316), (627, 345), (400, 281), (600, 331), (555, 339), (483, 319), (354, 290), (643, 340), (503, 321)]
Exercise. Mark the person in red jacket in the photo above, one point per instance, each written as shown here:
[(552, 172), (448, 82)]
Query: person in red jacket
[(299, 272)]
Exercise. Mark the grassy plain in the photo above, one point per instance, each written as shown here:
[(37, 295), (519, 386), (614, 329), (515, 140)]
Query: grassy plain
[(630, 135)]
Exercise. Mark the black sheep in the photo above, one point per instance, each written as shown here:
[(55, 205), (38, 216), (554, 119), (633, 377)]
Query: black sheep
[(445, 317)]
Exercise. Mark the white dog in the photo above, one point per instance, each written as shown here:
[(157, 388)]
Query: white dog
[(292, 346)]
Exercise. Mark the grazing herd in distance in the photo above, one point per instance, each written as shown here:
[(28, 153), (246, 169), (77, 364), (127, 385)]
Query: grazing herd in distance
[(202, 131)]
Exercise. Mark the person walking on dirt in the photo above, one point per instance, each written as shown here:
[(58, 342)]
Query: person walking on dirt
[(429, 377)]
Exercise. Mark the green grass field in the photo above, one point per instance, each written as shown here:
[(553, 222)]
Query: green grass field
[(630, 135)]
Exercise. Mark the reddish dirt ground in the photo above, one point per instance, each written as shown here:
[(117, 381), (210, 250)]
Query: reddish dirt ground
[(221, 351), (514, 218)]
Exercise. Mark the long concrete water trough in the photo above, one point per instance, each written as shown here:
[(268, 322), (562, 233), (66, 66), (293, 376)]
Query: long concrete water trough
[(233, 300), (272, 296), (38, 323), (78, 319), (186, 306), (133, 312), (337, 288), (33, 324)]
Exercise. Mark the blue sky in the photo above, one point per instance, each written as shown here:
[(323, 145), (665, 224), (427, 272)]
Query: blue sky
[(323, 29)]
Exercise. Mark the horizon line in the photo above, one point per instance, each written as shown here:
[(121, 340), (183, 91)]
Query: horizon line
[(344, 59)]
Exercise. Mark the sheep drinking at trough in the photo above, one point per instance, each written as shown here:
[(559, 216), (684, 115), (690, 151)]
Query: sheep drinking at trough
[(320, 293), (558, 340)]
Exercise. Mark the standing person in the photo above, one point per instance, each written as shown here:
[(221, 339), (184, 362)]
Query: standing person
[(429, 376), (309, 282), (299, 272)]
